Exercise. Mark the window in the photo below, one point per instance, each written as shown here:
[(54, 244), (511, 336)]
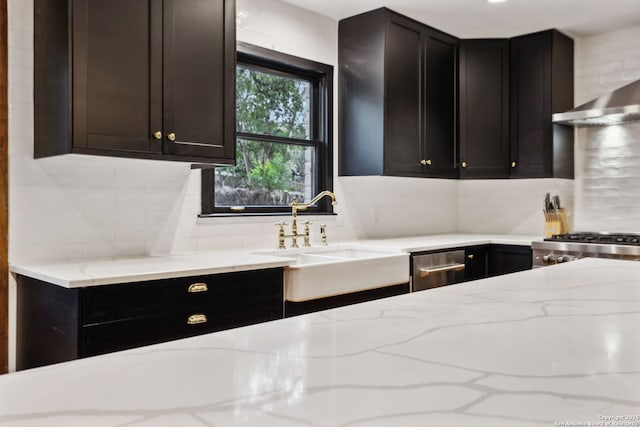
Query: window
[(284, 136)]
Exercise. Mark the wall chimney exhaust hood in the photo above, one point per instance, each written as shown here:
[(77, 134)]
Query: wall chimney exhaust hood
[(621, 106)]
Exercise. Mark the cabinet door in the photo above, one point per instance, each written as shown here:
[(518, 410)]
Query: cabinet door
[(199, 78), (476, 262), (484, 109), (531, 131), (440, 94), (509, 259), (117, 88), (403, 109)]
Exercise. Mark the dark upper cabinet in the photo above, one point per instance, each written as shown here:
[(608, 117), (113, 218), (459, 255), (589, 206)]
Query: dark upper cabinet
[(397, 96), (440, 104), (403, 118), (541, 84), (484, 108), (136, 78)]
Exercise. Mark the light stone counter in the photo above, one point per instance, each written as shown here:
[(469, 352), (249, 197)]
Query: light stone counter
[(444, 241), (554, 344), (74, 274), (107, 271)]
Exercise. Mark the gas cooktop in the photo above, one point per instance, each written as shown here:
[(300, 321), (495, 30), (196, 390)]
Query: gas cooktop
[(597, 238), (561, 248)]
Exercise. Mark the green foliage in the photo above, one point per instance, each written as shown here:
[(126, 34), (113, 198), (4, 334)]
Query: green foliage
[(268, 104), (269, 175)]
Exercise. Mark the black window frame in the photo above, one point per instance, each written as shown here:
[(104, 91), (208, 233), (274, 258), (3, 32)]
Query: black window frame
[(321, 135)]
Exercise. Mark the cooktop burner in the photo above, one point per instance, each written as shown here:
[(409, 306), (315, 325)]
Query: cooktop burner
[(601, 238)]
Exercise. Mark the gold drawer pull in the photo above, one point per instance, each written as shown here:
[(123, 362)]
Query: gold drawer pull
[(196, 319), (424, 272), (197, 287)]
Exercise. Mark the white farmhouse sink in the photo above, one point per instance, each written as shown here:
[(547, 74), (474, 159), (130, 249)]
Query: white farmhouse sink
[(328, 271)]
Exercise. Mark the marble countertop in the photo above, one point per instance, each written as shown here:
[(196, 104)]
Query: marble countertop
[(443, 241), (75, 274), (542, 347), (83, 273)]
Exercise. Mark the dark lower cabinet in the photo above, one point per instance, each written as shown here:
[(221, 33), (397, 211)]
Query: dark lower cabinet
[(296, 308), (135, 78), (56, 324), (476, 262), (484, 261), (505, 259)]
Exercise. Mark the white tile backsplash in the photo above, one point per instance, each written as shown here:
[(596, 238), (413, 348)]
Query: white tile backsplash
[(395, 206), (508, 206), (607, 184), (605, 62), (608, 178)]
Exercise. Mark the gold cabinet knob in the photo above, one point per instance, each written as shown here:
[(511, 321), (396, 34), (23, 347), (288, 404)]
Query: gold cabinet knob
[(157, 135), (425, 162), (470, 256), (464, 164), (196, 319), (197, 287), (514, 164), (171, 136)]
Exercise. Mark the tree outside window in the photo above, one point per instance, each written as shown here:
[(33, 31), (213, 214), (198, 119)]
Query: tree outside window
[(282, 137)]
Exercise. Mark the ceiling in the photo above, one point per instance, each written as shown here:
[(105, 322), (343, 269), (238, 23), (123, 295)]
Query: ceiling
[(477, 18)]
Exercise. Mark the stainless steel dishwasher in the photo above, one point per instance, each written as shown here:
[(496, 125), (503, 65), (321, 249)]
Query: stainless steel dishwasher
[(433, 270)]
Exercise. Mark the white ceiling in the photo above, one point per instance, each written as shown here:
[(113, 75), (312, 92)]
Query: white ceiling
[(477, 18)]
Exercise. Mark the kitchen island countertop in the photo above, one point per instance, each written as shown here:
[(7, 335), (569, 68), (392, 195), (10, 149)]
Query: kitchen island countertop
[(536, 348)]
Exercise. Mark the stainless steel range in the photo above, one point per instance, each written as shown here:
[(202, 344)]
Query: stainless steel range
[(568, 247)]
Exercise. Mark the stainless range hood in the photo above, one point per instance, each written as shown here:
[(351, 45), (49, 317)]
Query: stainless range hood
[(618, 107)]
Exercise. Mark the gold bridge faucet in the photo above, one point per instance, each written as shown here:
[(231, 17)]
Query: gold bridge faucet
[(295, 207)]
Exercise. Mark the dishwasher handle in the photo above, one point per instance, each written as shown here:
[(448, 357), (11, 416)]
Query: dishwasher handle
[(424, 272)]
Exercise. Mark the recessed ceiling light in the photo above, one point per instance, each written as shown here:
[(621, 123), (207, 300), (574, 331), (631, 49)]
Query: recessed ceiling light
[(496, 1)]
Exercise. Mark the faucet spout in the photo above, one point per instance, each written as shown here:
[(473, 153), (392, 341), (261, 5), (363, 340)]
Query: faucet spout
[(295, 207), (303, 206)]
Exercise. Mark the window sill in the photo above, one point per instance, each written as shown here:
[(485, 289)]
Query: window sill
[(263, 214)]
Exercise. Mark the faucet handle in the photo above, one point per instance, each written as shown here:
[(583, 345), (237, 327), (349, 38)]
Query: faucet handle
[(307, 242), (281, 224), (323, 234)]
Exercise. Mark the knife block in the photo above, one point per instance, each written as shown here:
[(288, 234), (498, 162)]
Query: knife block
[(555, 223)]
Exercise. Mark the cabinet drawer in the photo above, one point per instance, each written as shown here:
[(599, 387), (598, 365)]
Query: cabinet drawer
[(128, 301), (121, 335)]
